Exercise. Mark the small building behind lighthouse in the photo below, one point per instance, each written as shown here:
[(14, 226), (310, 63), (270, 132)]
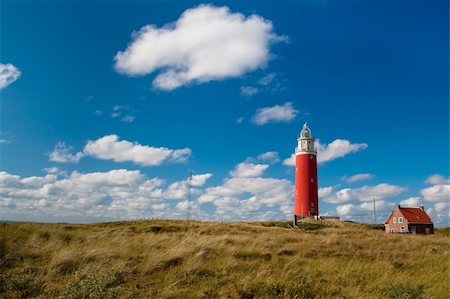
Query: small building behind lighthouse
[(306, 200)]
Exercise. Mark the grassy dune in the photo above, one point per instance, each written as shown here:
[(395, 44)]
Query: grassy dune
[(179, 259)]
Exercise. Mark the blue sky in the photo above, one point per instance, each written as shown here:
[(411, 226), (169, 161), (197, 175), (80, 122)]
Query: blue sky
[(107, 105)]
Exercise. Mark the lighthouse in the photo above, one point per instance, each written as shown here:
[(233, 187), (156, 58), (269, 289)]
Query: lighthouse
[(306, 202)]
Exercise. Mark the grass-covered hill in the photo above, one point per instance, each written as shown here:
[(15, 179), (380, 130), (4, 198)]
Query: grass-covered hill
[(179, 259)]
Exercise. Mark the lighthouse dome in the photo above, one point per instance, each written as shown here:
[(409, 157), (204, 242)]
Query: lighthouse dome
[(306, 131)]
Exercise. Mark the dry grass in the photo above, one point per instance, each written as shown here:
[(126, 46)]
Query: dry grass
[(179, 259)]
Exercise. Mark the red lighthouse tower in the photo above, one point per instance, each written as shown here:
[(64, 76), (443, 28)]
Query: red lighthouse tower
[(306, 196)]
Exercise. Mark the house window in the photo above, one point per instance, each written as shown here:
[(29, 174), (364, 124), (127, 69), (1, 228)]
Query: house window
[(400, 219), (312, 180), (402, 229), (394, 220)]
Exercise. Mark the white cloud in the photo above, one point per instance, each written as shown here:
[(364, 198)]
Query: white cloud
[(345, 210), (128, 118), (336, 149), (110, 148), (439, 213), (358, 177), (62, 154), (275, 114), (199, 180), (246, 197), (325, 192), (98, 112), (440, 191), (440, 206), (55, 171), (269, 157), (410, 202), (366, 193), (118, 111), (8, 74), (436, 193), (267, 83), (52, 170), (248, 91), (183, 205), (206, 43), (118, 194), (364, 212), (290, 161), (248, 170), (119, 107), (328, 152), (240, 120), (437, 179), (267, 79)]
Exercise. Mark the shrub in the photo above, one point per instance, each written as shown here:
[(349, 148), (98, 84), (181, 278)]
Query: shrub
[(263, 289), (27, 285), (106, 285), (404, 291), (67, 266), (287, 252), (299, 291), (44, 236), (376, 226)]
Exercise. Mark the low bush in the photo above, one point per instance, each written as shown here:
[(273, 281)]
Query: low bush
[(66, 266), (375, 226), (102, 286), (22, 285), (406, 291), (287, 252)]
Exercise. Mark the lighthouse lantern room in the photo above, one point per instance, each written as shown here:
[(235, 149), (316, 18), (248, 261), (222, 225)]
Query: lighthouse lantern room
[(306, 203)]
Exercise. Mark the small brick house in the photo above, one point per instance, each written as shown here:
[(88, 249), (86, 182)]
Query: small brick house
[(409, 220)]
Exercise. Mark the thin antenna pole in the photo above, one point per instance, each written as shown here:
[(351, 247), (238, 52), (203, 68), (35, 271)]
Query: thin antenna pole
[(374, 212)]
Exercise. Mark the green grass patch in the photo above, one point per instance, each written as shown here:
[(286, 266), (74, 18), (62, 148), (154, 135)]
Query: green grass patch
[(443, 231), (407, 291), (311, 226)]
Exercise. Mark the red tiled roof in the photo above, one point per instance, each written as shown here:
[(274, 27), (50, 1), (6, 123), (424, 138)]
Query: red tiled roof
[(416, 215)]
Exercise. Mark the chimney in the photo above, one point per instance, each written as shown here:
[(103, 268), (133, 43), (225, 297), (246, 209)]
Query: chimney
[(398, 206), (421, 207)]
